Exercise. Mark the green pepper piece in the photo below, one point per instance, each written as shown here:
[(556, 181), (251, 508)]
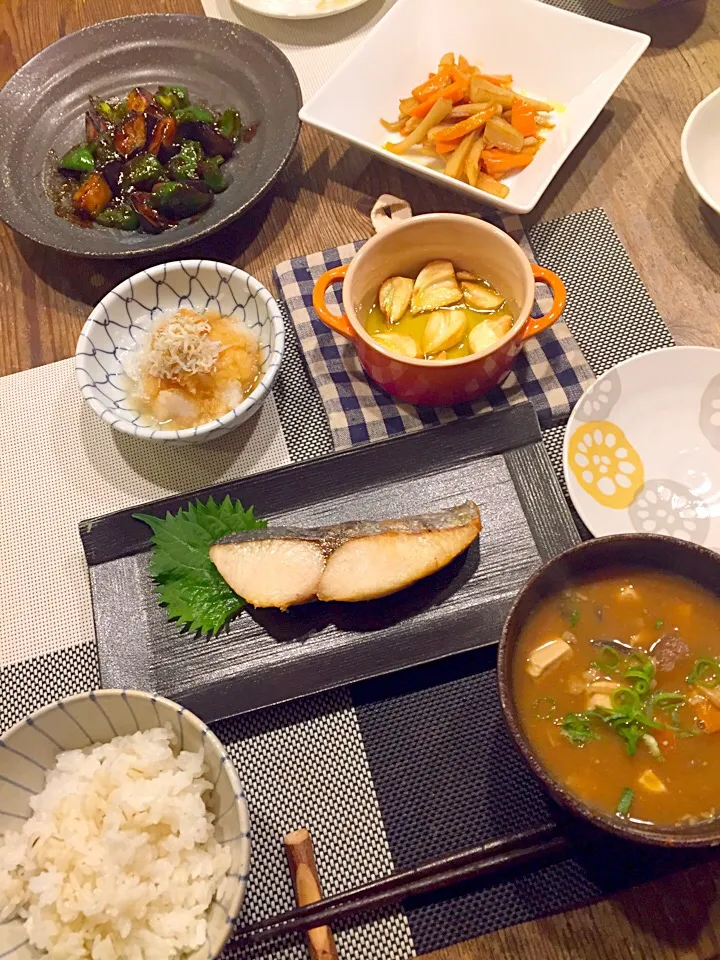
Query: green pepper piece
[(172, 98), (112, 112), (230, 125), (194, 114), (182, 95), (80, 158), (122, 217), (184, 164), (209, 170), (177, 201), (103, 149), (144, 170), (167, 101)]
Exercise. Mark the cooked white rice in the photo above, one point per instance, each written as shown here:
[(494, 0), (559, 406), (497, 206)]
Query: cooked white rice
[(119, 860)]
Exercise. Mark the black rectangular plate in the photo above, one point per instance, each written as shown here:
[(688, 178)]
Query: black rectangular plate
[(266, 656)]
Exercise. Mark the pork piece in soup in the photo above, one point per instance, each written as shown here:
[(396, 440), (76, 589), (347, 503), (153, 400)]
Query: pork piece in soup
[(617, 685)]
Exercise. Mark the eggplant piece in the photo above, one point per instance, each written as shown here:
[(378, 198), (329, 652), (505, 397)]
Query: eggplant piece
[(142, 172), (151, 122), (138, 100), (131, 135), (248, 132), (178, 201), (151, 220), (113, 174), (213, 143), (168, 152), (212, 175), (94, 126), (79, 159), (183, 166), (121, 216), (92, 196), (163, 135)]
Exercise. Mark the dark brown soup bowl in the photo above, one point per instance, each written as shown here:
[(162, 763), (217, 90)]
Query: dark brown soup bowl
[(663, 554)]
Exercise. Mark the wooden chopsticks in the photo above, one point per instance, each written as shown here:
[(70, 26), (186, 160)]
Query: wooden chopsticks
[(303, 870), (544, 845)]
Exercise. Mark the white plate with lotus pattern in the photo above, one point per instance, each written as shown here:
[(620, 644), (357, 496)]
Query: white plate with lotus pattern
[(642, 447)]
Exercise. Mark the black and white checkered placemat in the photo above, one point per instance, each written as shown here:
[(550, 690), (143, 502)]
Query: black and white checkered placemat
[(401, 768), (609, 12)]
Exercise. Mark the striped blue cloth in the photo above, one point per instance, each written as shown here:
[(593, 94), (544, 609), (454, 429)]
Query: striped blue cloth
[(551, 370)]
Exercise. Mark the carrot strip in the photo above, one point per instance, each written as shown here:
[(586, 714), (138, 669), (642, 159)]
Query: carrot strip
[(455, 92), (446, 146), (498, 162), (437, 82), (462, 129), (523, 118)]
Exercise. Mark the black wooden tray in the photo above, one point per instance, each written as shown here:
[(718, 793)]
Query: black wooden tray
[(267, 657)]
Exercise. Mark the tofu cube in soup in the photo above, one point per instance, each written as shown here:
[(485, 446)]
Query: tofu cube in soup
[(547, 655)]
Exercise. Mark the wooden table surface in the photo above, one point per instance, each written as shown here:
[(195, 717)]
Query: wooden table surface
[(629, 163)]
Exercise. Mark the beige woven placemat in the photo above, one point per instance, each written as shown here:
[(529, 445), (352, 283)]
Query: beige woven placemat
[(60, 464)]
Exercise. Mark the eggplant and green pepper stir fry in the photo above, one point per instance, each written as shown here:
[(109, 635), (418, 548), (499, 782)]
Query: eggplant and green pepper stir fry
[(148, 160)]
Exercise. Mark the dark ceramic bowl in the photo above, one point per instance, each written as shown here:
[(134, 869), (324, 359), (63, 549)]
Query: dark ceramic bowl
[(43, 105), (665, 554)]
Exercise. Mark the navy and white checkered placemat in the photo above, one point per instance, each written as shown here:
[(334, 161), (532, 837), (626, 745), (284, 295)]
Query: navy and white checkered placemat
[(551, 370)]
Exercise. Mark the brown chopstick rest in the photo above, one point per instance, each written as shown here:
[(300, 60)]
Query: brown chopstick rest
[(303, 870)]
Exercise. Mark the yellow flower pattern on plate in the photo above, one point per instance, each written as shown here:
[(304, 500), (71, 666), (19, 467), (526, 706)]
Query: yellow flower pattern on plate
[(605, 464)]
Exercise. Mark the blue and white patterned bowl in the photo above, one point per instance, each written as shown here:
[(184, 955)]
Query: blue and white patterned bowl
[(127, 313), (29, 749)]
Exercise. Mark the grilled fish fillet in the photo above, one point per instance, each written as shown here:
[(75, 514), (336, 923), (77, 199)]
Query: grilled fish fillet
[(360, 560)]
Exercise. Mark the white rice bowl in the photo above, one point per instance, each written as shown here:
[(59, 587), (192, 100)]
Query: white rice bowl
[(119, 858)]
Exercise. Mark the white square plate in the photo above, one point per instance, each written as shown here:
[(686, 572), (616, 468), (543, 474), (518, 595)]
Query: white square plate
[(553, 55)]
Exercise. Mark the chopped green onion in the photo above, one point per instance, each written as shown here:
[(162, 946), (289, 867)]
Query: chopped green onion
[(577, 727), (641, 676), (568, 608), (625, 802), (659, 624), (668, 701), (705, 673), (609, 660), (627, 701), (545, 707)]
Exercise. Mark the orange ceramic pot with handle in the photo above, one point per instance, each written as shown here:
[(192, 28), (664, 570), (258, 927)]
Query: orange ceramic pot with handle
[(403, 249)]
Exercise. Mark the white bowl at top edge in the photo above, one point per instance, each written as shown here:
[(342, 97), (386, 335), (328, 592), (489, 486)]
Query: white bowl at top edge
[(31, 748), (700, 148), (129, 310), (642, 447), (300, 9), (553, 55)]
